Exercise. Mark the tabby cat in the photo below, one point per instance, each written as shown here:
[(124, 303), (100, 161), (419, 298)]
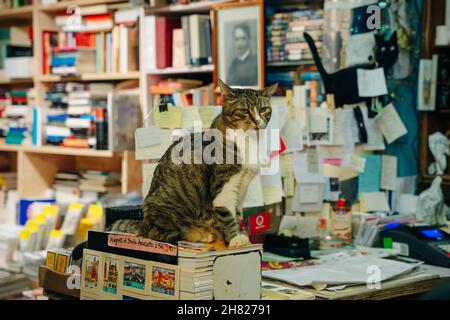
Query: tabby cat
[(201, 202)]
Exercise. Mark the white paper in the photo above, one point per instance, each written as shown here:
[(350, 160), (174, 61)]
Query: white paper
[(406, 204), (371, 83), (309, 193), (147, 136), (155, 151), (390, 124), (348, 271), (388, 172), (254, 196), (358, 163), (374, 201), (299, 206), (360, 48)]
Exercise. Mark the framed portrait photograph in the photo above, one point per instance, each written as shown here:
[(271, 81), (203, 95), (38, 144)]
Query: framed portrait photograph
[(238, 37)]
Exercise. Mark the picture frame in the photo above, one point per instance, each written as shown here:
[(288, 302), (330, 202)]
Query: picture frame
[(239, 55), (109, 277)]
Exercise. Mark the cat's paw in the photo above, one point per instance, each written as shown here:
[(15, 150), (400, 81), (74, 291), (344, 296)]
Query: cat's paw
[(239, 241)]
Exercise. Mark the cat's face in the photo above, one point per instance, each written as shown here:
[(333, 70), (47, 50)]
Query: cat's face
[(246, 108), (387, 50)]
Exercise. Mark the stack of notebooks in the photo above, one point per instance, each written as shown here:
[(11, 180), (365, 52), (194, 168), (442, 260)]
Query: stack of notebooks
[(196, 261), (284, 35), (12, 284), (180, 42), (101, 42)]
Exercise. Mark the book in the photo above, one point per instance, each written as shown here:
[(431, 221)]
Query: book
[(164, 33), (198, 39)]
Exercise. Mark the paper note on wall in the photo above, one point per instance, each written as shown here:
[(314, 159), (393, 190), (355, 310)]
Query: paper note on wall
[(168, 119), (208, 114), (158, 150), (309, 193), (147, 136), (371, 82), (191, 116), (369, 180), (388, 172), (374, 201), (254, 196), (298, 202), (390, 124), (292, 135)]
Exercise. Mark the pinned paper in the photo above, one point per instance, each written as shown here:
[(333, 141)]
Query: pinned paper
[(148, 170), (369, 180), (371, 82), (288, 186), (358, 163), (304, 197), (388, 173), (155, 151), (190, 116), (390, 124), (286, 165), (168, 119), (208, 114), (254, 196), (292, 135), (147, 136), (374, 201)]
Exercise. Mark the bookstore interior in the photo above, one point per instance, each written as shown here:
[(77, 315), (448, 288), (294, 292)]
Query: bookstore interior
[(224, 150)]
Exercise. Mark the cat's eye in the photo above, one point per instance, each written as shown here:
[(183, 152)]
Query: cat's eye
[(383, 49), (392, 48), (263, 109), (241, 112)]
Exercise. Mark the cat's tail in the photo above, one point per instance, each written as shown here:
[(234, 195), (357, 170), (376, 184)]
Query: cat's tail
[(315, 53), (128, 226)]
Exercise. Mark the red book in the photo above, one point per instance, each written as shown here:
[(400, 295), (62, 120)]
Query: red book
[(164, 31), (47, 44)]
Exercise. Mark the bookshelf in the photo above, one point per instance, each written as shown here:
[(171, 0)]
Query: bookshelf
[(438, 120), (36, 166)]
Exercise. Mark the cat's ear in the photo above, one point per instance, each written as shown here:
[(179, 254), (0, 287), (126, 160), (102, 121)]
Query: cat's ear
[(225, 90), (394, 37), (268, 91), (378, 39)]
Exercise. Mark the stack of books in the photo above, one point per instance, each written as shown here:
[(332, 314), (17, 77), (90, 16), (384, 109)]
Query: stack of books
[(183, 92), (196, 261), (181, 42), (18, 112), (86, 186), (135, 268), (100, 42), (284, 34), (15, 50), (7, 4), (12, 284), (71, 114), (100, 182)]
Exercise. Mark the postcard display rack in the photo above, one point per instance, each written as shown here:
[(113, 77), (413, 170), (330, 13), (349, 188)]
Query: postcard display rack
[(125, 267)]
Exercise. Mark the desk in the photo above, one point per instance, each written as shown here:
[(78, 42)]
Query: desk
[(405, 286)]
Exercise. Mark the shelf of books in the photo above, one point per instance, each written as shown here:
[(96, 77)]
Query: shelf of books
[(185, 8)]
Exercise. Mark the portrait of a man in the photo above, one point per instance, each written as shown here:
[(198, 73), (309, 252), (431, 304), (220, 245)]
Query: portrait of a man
[(243, 70)]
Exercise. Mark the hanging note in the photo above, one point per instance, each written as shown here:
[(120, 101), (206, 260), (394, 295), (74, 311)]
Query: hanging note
[(388, 173), (390, 124), (369, 180), (371, 83)]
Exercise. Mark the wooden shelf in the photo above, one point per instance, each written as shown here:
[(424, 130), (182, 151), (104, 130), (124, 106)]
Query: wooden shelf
[(92, 77), (24, 12), (63, 5), (277, 64), (69, 151), (194, 7), (201, 69), (59, 150), (12, 81)]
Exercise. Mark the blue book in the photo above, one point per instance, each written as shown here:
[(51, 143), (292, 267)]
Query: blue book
[(63, 61), (24, 204)]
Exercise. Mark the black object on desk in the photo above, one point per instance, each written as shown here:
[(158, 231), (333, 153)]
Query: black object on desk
[(293, 247), (424, 243)]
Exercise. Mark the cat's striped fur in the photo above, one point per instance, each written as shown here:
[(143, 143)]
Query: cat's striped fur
[(200, 202)]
